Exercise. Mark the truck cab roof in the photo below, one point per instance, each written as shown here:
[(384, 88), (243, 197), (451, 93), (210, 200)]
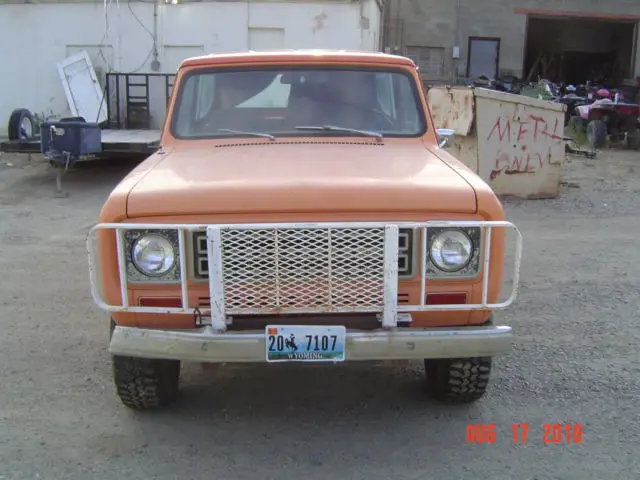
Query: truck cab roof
[(295, 56)]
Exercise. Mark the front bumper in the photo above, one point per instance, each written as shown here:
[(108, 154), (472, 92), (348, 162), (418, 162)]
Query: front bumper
[(204, 345)]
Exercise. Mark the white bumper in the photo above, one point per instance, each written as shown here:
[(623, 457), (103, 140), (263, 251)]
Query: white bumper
[(204, 345)]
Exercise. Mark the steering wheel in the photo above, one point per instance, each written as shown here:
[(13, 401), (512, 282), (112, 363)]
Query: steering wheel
[(386, 118), (367, 112)]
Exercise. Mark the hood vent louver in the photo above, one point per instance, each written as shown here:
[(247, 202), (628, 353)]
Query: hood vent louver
[(302, 142)]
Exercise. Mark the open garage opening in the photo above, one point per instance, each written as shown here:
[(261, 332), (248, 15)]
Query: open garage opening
[(573, 50)]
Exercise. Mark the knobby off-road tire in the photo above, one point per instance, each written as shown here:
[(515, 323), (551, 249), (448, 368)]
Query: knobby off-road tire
[(597, 133), (143, 383), (458, 380)]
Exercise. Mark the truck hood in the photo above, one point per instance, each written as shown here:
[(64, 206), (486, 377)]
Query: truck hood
[(296, 176)]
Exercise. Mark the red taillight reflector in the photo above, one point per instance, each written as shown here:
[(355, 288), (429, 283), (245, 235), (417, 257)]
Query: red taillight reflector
[(446, 298), (161, 302)]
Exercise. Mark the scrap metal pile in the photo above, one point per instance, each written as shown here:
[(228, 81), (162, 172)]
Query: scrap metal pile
[(597, 112)]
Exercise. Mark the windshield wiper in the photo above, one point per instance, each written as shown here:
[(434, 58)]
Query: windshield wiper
[(334, 128), (253, 134)]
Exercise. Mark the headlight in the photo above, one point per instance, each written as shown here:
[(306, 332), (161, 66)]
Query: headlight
[(451, 250), (153, 255)]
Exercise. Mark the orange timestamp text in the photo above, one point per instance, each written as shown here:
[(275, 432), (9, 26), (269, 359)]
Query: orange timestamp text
[(520, 433)]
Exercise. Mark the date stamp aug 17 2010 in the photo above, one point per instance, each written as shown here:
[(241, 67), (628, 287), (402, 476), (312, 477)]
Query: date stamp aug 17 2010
[(520, 433)]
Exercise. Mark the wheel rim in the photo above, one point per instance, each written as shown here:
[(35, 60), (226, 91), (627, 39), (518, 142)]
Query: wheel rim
[(26, 128)]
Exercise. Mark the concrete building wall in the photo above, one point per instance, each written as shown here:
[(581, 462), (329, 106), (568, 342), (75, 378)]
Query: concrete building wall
[(120, 37), (445, 24)]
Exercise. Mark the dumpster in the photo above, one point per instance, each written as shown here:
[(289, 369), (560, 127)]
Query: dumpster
[(514, 143)]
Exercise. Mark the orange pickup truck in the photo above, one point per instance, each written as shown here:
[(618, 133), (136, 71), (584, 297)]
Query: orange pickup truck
[(301, 208)]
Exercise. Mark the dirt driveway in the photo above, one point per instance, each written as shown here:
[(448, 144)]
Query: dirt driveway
[(576, 361)]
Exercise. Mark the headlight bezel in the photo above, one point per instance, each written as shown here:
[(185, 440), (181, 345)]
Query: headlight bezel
[(136, 274), (471, 269)]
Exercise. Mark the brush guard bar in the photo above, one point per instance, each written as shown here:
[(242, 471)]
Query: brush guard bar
[(386, 306)]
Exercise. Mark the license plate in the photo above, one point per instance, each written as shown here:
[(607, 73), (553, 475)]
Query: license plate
[(305, 343)]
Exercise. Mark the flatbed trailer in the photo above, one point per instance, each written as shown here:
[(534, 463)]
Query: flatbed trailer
[(127, 132), (128, 129), (115, 142)]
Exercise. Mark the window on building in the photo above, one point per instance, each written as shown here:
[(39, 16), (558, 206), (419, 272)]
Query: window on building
[(484, 57), (430, 60)]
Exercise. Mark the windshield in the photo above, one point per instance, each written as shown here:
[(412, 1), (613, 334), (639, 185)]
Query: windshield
[(286, 101)]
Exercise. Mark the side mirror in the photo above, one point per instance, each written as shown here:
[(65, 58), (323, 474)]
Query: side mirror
[(444, 134)]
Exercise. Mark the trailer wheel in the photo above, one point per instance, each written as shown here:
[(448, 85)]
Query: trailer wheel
[(597, 133), (21, 124)]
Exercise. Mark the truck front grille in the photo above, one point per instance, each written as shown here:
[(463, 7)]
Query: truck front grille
[(406, 254), (295, 268)]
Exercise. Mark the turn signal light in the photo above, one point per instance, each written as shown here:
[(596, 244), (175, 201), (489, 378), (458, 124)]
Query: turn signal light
[(446, 298), (170, 302)]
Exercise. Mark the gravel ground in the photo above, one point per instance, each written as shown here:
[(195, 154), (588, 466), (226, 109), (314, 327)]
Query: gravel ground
[(575, 361)]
